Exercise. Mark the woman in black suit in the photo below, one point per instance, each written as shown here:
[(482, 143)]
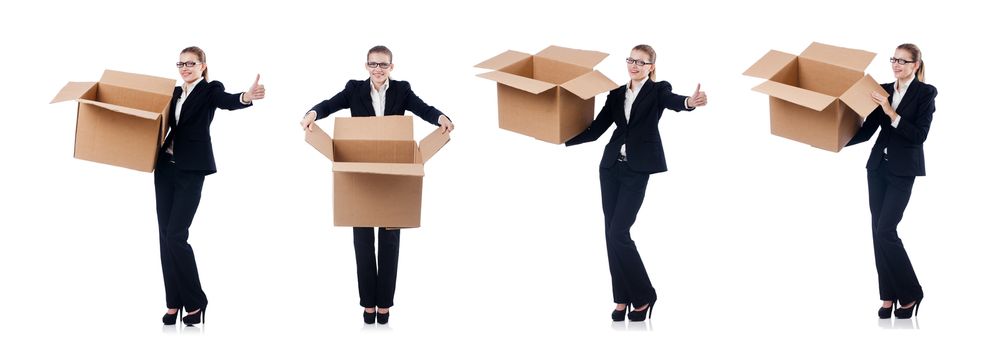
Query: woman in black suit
[(895, 161), (377, 96), (633, 153), (184, 161)]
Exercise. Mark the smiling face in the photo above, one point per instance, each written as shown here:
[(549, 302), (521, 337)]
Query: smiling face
[(190, 74), (903, 72), (379, 75), (637, 72)]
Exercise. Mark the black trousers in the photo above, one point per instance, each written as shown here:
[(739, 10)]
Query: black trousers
[(178, 193), (376, 277), (622, 192), (889, 195)]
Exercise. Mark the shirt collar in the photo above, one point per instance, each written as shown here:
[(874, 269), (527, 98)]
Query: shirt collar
[(187, 88), (384, 87), (629, 86), (902, 89)]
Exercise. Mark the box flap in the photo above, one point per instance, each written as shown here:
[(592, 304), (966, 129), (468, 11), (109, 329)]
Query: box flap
[(796, 95), (157, 85), (403, 169), (72, 91), (518, 82), (124, 110), (583, 58), (433, 143), (321, 141), (858, 96), (857, 60), (590, 84), (387, 128), (770, 63), (503, 60)]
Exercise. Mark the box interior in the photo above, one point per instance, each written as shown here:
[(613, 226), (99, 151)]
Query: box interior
[(132, 98), (374, 151), (545, 69), (817, 76)]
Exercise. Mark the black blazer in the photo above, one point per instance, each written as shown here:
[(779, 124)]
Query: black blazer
[(644, 150), (357, 97), (191, 134), (905, 143)]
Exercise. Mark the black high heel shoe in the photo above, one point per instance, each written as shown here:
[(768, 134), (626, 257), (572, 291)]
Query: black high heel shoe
[(170, 319), (637, 316), (908, 312), (196, 318), (383, 317), (369, 316), (886, 312), (620, 315)]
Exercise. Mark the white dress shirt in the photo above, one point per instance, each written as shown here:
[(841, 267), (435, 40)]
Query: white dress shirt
[(378, 98)]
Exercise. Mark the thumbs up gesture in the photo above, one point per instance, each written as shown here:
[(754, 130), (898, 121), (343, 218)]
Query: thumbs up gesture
[(698, 98), (256, 92)]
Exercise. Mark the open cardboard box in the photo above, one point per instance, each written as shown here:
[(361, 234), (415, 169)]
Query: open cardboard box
[(549, 95), (377, 169), (121, 119), (819, 97)]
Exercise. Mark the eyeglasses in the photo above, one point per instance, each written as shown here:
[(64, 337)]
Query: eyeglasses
[(189, 64), (900, 61), (383, 65), (640, 63)]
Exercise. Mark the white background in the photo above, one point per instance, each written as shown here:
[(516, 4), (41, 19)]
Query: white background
[(749, 238)]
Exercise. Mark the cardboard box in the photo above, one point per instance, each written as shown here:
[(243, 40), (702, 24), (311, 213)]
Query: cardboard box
[(548, 96), (121, 119), (377, 169), (818, 97)]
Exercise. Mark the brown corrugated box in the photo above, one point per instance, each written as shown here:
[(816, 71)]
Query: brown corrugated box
[(377, 169), (549, 95), (819, 97), (121, 119)]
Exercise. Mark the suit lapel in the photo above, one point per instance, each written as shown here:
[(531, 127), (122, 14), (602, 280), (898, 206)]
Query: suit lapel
[(365, 98), (194, 94), (911, 93), (644, 90), (171, 111), (390, 97)]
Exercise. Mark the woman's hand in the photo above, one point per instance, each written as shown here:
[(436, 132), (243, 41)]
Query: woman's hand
[(885, 106), (446, 124), (698, 98), (308, 121), (256, 92)]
